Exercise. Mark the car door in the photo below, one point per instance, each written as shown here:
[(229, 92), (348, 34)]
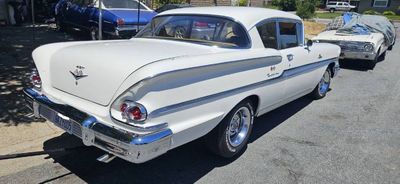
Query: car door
[(296, 57), (87, 12), (73, 12), (340, 6), (273, 94)]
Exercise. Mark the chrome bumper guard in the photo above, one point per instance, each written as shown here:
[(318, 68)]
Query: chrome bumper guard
[(136, 148)]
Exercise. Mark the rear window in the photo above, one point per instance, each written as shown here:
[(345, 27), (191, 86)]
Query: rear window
[(206, 30), (331, 3)]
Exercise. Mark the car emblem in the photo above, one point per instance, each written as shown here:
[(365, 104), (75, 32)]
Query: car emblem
[(78, 73)]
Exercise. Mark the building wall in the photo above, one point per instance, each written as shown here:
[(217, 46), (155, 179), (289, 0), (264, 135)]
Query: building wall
[(210, 2), (367, 5), (257, 3)]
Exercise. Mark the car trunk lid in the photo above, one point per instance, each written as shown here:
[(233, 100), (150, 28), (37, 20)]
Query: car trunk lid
[(95, 70)]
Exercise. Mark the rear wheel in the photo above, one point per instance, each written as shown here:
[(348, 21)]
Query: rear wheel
[(323, 86), (332, 10), (232, 134)]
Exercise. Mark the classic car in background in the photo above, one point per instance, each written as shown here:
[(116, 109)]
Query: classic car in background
[(120, 17), (180, 85), (364, 37)]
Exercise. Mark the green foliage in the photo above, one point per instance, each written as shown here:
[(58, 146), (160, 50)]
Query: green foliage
[(306, 8), (371, 12), (277, 3), (243, 2), (160, 3), (389, 13), (288, 5), (273, 7)]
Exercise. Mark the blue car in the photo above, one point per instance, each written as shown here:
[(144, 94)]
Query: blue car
[(120, 17)]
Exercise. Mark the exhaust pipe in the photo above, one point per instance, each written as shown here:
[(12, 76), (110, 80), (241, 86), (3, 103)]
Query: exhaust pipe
[(106, 158)]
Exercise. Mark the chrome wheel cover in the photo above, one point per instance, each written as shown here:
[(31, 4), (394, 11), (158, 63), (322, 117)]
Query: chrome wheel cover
[(323, 85), (238, 127)]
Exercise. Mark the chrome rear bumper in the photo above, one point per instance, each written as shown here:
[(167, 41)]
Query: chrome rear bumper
[(136, 148)]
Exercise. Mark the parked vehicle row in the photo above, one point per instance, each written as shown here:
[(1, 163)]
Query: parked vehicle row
[(189, 73)]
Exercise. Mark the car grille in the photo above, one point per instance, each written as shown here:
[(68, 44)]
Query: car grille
[(347, 45)]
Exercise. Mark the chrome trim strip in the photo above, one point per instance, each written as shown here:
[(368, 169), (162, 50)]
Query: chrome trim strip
[(206, 99), (247, 64)]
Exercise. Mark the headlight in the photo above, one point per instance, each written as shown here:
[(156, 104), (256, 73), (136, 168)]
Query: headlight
[(127, 110), (368, 47)]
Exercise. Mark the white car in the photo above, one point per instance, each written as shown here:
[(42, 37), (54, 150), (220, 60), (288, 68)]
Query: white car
[(364, 37), (137, 99), (333, 6)]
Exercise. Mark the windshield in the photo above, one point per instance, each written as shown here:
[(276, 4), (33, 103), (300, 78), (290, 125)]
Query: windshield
[(128, 4), (214, 31)]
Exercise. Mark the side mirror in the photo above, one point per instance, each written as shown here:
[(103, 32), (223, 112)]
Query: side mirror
[(309, 43)]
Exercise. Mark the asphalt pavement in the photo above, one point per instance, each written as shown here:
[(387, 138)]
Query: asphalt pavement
[(351, 136)]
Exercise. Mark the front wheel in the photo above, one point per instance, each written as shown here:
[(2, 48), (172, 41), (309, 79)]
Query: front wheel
[(232, 134), (323, 86)]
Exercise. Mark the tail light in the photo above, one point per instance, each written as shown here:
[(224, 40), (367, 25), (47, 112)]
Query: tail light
[(35, 79), (120, 22), (132, 111)]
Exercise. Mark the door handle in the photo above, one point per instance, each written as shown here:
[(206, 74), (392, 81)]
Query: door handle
[(290, 57)]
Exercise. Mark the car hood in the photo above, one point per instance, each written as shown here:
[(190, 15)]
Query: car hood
[(333, 36), (130, 15), (94, 70)]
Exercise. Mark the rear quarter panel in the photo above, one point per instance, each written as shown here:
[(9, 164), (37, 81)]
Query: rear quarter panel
[(193, 94)]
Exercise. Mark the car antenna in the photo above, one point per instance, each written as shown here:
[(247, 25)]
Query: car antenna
[(138, 16)]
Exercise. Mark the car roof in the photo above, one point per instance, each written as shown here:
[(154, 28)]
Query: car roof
[(248, 16)]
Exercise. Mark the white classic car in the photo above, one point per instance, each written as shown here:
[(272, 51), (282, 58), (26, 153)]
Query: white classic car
[(364, 37), (177, 81)]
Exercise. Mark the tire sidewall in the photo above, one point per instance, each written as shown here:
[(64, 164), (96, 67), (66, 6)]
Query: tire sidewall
[(329, 84), (224, 146)]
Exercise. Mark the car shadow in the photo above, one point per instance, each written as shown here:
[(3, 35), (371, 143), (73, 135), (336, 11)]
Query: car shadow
[(16, 46), (185, 164), (356, 64)]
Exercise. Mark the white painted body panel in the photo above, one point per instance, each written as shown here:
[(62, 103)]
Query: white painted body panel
[(191, 87)]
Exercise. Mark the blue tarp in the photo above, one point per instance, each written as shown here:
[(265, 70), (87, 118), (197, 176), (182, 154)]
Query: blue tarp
[(355, 23), (347, 17)]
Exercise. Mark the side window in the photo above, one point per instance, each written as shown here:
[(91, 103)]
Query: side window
[(288, 35), (268, 36)]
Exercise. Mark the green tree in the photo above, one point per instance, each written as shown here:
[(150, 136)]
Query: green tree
[(288, 5), (306, 8)]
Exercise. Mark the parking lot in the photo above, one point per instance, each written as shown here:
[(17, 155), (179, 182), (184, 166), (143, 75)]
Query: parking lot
[(351, 136)]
